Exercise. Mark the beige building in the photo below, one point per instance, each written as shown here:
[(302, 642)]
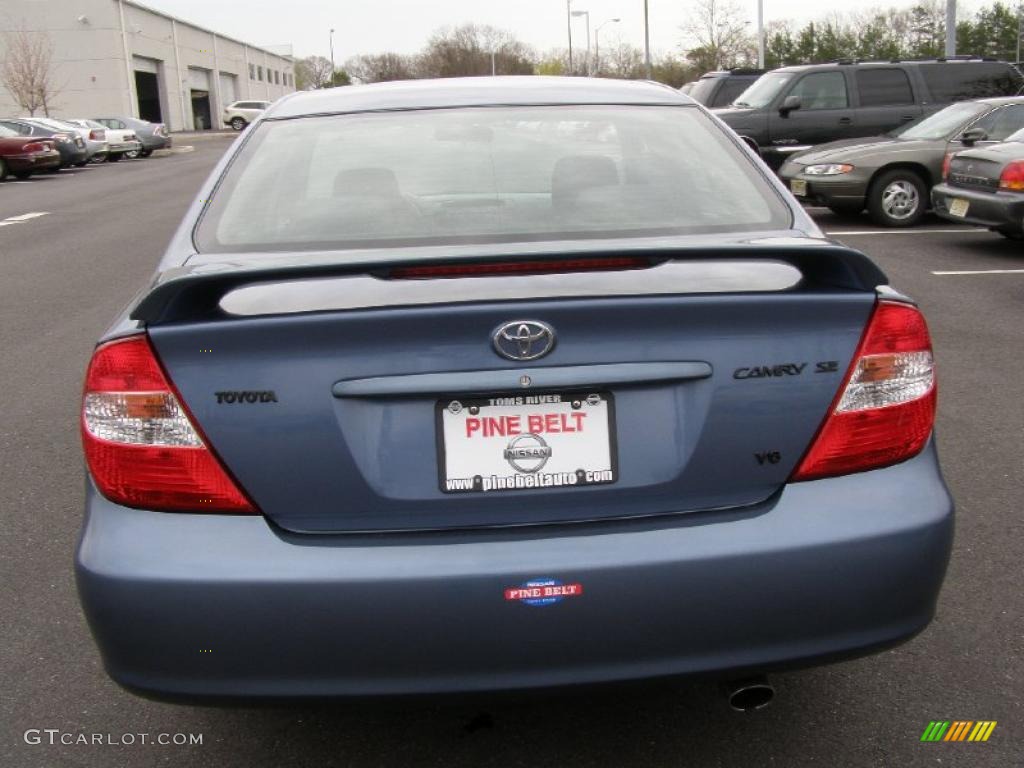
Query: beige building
[(118, 57)]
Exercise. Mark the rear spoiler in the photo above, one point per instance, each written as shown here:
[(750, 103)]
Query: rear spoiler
[(193, 292)]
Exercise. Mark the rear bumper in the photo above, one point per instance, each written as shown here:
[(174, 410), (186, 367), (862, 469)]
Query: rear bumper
[(125, 146), (35, 161), (194, 606), (998, 210)]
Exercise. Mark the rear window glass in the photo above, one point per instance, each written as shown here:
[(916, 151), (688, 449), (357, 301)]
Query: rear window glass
[(880, 87), (956, 81), (495, 174), (730, 89), (704, 89)]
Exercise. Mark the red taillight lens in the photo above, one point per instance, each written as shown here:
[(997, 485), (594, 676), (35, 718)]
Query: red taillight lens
[(142, 448), (1012, 177), (885, 410), (493, 268), (34, 146), (97, 135), (946, 162)]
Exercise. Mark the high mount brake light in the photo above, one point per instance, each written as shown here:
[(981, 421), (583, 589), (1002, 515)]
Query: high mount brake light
[(142, 447), (535, 267), (885, 410)]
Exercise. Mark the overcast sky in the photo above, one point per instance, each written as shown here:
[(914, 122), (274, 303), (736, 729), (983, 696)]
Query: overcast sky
[(370, 26)]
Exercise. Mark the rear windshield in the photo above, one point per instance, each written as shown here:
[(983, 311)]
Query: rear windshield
[(959, 80), (493, 174), (703, 89)]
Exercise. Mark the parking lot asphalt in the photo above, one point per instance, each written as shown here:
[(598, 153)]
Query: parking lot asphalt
[(66, 272)]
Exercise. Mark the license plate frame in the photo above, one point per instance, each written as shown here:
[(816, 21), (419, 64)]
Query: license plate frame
[(798, 187), (958, 207), (599, 468)]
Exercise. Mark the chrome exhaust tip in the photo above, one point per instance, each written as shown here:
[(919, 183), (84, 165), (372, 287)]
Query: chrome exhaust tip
[(750, 694)]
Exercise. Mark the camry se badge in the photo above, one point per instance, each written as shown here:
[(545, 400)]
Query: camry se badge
[(523, 339)]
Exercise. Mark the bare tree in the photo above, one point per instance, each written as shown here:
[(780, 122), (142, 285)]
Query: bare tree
[(621, 60), (467, 50), (26, 69), (720, 34), (380, 67), (312, 72)]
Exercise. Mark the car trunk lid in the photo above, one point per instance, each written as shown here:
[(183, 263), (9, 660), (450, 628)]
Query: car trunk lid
[(702, 394)]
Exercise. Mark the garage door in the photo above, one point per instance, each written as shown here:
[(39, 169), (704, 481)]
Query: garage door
[(199, 79), (228, 88)]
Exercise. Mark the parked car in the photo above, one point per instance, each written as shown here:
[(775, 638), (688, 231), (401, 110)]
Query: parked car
[(687, 87), (241, 113), (122, 139), (985, 185), (95, 137), (369, 432), (791, 109), (23, 156), (92, 146), (721, 88), (891, 175), (69, 144), (152, 136)]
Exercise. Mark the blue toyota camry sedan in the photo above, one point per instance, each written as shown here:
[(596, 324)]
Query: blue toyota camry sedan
[(503, 383)]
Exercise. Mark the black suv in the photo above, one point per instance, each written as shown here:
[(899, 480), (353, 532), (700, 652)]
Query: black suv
[(791, 109), (720, 89)]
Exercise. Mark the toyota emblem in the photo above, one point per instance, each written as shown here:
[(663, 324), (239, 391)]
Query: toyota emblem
[(523, 339)]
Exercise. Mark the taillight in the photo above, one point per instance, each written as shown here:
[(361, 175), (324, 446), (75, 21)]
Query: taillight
[(946, 162), (97, 135), (1012, 176), (885, 410), (34, 146), (142, 448)]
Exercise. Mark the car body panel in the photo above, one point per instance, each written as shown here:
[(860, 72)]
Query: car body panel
[(153, 136), (20, 162), (807, 576)]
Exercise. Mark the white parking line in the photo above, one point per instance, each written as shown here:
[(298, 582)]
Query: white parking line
[(904, 231), (982, 272), (23, 217)]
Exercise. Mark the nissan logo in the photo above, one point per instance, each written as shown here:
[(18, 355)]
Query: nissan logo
[(523, 339)]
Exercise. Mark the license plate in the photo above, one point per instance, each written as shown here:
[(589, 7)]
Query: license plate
[(958, 207), (519, 442), (798, 187)]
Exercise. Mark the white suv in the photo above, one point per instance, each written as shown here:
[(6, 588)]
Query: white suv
[(241, 113)]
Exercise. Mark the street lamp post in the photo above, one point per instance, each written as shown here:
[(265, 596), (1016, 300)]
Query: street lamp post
[(332, 57), (587, 14), (950, 28), (760, 34), (568, 24), (597, 43), (647, 44)]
